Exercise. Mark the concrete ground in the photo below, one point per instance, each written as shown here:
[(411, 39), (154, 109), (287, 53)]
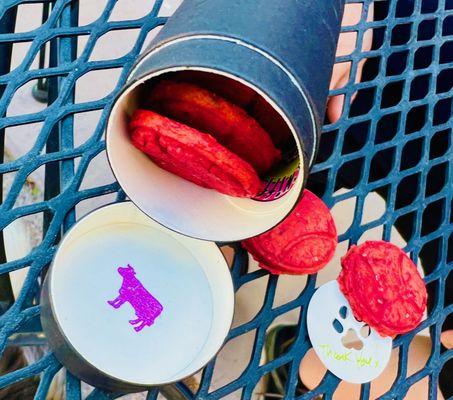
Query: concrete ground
[(24, 234)]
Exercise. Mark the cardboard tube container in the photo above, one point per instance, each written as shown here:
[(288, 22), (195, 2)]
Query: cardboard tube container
[(280, 51)]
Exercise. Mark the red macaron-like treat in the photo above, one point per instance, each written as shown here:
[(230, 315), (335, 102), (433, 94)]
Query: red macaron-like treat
[(302, 244), (229, 124), (193, 155), (383, 287)]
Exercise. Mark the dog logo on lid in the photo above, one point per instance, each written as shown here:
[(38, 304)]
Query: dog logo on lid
[(147, 307)]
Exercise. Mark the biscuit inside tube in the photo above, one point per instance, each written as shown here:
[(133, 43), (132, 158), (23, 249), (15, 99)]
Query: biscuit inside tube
[(186, 207)]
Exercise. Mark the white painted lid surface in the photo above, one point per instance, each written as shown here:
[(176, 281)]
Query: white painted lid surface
[(188, 277)]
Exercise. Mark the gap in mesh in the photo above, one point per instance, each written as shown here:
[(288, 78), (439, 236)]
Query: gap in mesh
[(407, 191), (332, 269), (372, 234), (19, 52), (442, 111), (371, 69), (85, 124), (444, 81), (401, 34), (433, 216), (271, 385), (13, 359), (229, 254), (312, 371), (348, 41), (249, 300), (32, 190), (23, 103), (419, 87), (363, 103), (45, 47), (98, 173), (404, 9), (356, 137), (392, 94), (440, 143), (343, 71), (28, 17), (317, 182), (429, 6), (232, 360), (125, 10), (427, 29), (378, 35), (350, 173), (397, 63), (289, 287), (104, 81), (352, 14), (344, 212), (381, 10), (420, 390), (431, 254), (169, 7), (21, 236), (7, 182), (382, 164), (412, 153), (150, 37), (416, 119), (374, 205), (449, 4), (406, 224), (447, 27), (418, 355), (436, 179), (387, 128), (90, 11), (20, 139), (446, 53), (327, 145), (423, 57), (123, 39), (280, 335), (86, 206)]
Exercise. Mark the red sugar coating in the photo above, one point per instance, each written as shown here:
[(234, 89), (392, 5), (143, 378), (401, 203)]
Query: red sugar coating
[(210, 113), (383, 287), (192, 155), (302, 244)]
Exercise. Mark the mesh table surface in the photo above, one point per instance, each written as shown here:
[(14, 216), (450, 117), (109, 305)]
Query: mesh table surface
[(395, 140)]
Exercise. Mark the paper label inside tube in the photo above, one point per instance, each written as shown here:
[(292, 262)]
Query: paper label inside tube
[(280, 182), (329, 320)]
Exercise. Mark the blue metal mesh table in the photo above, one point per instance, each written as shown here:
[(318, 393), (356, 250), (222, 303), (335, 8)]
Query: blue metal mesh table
[(395, 139)]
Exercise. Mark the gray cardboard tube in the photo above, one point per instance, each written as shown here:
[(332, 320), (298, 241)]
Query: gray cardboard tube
[(285, 48)]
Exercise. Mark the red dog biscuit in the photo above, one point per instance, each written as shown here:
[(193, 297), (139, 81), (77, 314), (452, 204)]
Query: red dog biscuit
[(192, 155), (383, 287), (302, 244), (210, 113)]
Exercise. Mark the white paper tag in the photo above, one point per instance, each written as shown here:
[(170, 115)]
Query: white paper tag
[(348, 348)]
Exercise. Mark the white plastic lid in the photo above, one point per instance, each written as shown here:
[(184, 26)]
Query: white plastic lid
[(117, 265)]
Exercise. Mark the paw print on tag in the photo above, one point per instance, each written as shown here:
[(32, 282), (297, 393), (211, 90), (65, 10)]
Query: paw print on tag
[(347, 347), (352, 339)]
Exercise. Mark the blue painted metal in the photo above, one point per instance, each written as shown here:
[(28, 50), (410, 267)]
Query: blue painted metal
[(396, 139)]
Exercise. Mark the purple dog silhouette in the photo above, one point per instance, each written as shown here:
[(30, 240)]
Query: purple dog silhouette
[(147, 307)]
